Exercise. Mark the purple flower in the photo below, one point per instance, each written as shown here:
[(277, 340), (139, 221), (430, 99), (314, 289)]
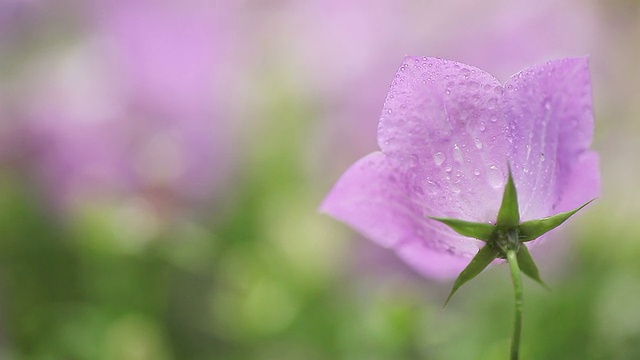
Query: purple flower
[(137, 105), (446, 134)]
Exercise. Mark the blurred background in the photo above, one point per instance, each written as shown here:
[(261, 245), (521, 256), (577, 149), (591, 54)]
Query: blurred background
[(161, 165)]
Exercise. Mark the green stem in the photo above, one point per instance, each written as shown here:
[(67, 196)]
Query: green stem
[(517, 321)]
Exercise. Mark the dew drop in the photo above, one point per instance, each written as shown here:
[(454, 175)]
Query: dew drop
[(433, 187), (482, 127), (494, 118), (448, 92), (476, 172), (448, 167), (439, 158), (478, 143), (457, 153), (495, 177)]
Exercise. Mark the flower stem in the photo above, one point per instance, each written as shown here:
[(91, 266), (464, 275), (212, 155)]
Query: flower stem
[(517, 287)]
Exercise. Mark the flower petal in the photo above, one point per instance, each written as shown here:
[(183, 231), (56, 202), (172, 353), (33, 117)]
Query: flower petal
[(432, 263), (551, 126), (444, 122), (583, 184), (375, 198)]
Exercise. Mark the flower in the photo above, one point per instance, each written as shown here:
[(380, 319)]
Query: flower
[(134, 107), (447, 134)]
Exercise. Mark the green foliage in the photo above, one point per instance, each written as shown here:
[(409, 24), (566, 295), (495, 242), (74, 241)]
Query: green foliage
[(533, 229), (508, 234), (528, 266), (483, 258), (509, 213), (479, 231)]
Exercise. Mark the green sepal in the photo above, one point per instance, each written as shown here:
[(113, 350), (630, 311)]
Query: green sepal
[(480, 231), (483, 258), (528, 266), (509, 215), (533, 229)]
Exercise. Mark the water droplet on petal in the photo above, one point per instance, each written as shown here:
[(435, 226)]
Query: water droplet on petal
[(494, 118), (433, 188), (457, 153), (482, 127), (448, 92), (495, 177), (439, 158), (448, 167), (478, 143), (476, 172)]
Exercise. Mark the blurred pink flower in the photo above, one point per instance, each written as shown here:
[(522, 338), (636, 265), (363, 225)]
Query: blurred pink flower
[(446, 134), (137, 105)]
